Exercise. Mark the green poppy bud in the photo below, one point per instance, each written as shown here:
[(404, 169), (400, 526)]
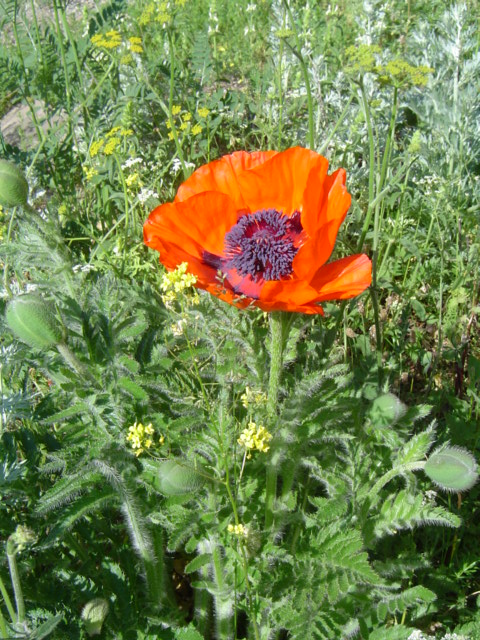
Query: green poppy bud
[(93, 616), (452, 469), (34, 321), (13, 185), (387, 409), (177, 479)]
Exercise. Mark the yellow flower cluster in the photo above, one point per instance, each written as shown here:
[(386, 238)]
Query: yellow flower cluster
[(89, 172), (135, 44), (397, 72), (113, 40), (155, 12), (361, 58), (203, 112), (402, 74), (139, 437), (238, 529), (176, 282), (184, 122), (109, 144), (133, 180), (110, 40), (253, 398), (254, 438)]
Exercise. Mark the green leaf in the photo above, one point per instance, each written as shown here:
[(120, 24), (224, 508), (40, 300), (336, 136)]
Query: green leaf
[(132, 388), (198, 562)]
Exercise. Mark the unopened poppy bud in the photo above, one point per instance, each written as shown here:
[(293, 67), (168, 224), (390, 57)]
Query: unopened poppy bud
[(34, 321), (452, 469), (13, 185), (93, 616)]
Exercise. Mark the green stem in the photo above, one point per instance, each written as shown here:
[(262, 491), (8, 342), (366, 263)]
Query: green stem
[(143, 547), (277, 330), (72, 360), (15, 577), (3, 626), (297, 52), (8, 602)]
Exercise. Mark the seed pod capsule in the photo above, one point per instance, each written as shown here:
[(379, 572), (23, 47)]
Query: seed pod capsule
[(34, 321), (13, 185)]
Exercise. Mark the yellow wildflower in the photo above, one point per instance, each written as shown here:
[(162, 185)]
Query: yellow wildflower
[(187, 117), (112, 132), (111, 146), (135, 40), (136, 48), (176, 109), (255, 438), (196, 130), (127, 59), (238, 529), (170, 135), (176, 282), (96, 146), (133, 180), (89, 172), (203, 112), (184, 126), (251, 397), (126, 132), (137, 437)]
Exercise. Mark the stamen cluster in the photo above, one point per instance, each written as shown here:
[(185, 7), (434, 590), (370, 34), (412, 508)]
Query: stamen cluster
[(263, 245)]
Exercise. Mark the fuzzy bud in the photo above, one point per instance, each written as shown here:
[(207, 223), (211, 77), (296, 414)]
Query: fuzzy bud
[(34, 321), (93, 616), (452, 469), (13, 185)]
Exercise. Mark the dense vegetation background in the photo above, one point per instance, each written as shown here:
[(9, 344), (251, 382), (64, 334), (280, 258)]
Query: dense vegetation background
[(107, 107)]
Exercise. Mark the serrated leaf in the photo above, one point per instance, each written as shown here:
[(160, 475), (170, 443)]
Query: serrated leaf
[(132, 388), (198, 562)]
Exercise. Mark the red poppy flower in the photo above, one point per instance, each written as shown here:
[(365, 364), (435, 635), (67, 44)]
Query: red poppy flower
[(258, 228)]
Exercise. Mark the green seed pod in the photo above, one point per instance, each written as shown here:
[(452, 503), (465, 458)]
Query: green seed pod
[(34, 321), (93, 616), (13, 185), (387, 409), (176, 479), (452, 469)]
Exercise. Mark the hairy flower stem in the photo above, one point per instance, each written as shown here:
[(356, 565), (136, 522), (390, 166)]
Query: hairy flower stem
[(8, 603), (279, 327), (143, 546), (15, 577)]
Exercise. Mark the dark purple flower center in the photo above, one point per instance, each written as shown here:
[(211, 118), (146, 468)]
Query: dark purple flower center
[(263, 245)]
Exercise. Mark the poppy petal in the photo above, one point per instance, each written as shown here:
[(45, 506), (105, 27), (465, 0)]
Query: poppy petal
[(342, 279), (280, 183), (222, 175), (201, 221)]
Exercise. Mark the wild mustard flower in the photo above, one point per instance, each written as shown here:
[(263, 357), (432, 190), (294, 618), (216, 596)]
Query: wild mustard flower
[(203, 112), (110, 40), (238, 529), (139, 437), (187, 117), (196, 129), (111, 146), (135, 44), (90, 172), (96, 147), (254, 438), (253, 398), (176, 282), (176, 109)]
